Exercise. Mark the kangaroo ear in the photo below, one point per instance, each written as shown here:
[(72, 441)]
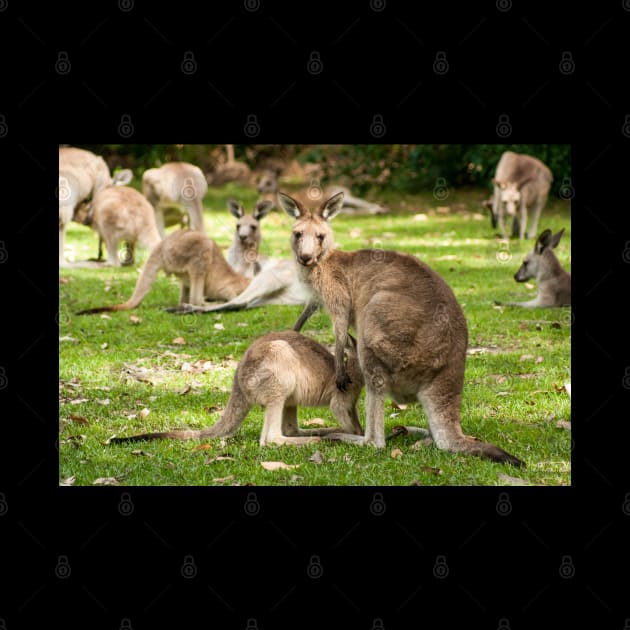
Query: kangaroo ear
[(123, 177), (496, 182), (235, 208), (262, 209), (292, 207), (329, 209), (543, 241), (555, 239)]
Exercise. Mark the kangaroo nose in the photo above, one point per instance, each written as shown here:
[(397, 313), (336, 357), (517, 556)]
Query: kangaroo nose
[(305, 258)]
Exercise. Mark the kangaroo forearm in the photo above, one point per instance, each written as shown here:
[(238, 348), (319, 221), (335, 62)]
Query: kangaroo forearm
[(309, 309)]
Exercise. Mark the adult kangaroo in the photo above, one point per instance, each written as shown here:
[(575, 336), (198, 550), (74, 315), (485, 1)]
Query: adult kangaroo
[(411, 331)]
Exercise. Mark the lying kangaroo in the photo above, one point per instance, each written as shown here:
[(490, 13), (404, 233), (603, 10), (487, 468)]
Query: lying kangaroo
[(243, 254), (81, 175), (177, 182), (120, 213), (281, 371), (524, 180), (199, 264), (411, 331), (554, 283)]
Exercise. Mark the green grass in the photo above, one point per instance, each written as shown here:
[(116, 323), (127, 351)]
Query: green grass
[(513, 393)]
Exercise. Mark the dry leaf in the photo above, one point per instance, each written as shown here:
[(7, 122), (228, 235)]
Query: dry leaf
[(421, 443), (563, 424), (314, 422), (77, 401), (539, 359), (416, 482), (104, 346), (222, 479), (63, 280), (185, 390), (106, 316), (219, 326), (567, 386), (69, 338), (110, 438), (143, 413), (523, 326), (396, 453), (355, 232), (278, 466), (68, 482), (512, 481), (420, 217), (139, 451), (242, 324), (316, 458), (529, 285), (102, 401), (106, 481), (526, 357), (431, 469), (78, 419), (180, 341), (396, 405), (202, 447), (134, 319), (556, 325)]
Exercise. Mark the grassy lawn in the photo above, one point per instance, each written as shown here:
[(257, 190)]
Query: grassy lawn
[(119, 377)]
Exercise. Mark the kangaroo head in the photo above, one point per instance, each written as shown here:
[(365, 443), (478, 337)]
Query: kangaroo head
[(510, 196), (247, 225), (534, 262), (268, 182), (312, 237)]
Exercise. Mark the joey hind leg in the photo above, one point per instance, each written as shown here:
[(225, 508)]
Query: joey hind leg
[(277, 421), (197, 285)]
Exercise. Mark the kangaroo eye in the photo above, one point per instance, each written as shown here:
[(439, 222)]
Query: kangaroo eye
[(525, 263), (253, 228), (297, 234), (320, 238)]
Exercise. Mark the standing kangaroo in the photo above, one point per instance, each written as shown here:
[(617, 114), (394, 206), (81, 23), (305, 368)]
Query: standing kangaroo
[(520, 180), (243, 254), (411, 331), (281, 371), (199, 264), (120, 213), (177, 182), (554, 283)]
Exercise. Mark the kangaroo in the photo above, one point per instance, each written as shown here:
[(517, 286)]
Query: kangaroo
[(524, 180), (281, 371), (120, 213), (554, 283), (178, 182), (243, 254), (411, 331), (81, 175), (199, 264)]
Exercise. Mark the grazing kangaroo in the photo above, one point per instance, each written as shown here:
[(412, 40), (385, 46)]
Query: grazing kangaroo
[(554, 283), (524, 180), (199, 264), (81, 175), (411, 331), (120, 213), (282, 371), (178, 182), (243, 254)]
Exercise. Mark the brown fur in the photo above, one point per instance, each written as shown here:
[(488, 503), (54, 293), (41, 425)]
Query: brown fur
[(199, 264), (411, 332), (281, 371), (176, 182), (120, 213)]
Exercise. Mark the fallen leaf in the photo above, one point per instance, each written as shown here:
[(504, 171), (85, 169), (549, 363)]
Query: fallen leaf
[(278, 466), (316, 458), (396, 453), (529, 285), (180, 341), (104, 346), (139, 451), (567, 386), (68, 482), (134, 319), (314, 422), (222, 479), (420, 217), (219, 326), (106, 481), (526, 357), (295, 478), (69, 338), (76, 401), (102, 401), (416, 482), (109, 439), (556, 325), (396, 405), (186, 367), (512, 481), (431, 469), (563, 424), (523, 326), (242, 324), (202, 447), (78, 419), (143, 413), (106, 316), (421, 443), (220, 458), (185, 390), (63, 280), (539, 359), (355, 232)]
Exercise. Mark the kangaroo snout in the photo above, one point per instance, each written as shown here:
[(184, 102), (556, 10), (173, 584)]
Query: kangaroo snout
[(306, 259)]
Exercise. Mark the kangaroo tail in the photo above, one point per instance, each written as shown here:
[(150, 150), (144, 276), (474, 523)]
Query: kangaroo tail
[(231, 419), (472, 446), (146, 279)]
